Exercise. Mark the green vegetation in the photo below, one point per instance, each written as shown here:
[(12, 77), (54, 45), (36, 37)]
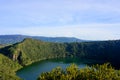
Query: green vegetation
[(30, 50), (73, 72), (8, 68)]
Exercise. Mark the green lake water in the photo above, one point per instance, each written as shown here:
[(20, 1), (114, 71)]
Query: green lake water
[(32, 71)]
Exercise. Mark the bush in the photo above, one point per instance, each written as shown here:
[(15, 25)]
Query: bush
[(73, 72)]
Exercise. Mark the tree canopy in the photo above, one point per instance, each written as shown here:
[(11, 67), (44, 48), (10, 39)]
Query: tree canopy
[(73, 72)]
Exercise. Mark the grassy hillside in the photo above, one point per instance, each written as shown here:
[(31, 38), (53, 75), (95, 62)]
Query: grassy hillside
[(8, 68)]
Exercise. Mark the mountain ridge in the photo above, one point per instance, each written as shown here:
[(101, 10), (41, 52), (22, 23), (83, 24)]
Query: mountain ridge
[(32, 50), (11, 39)]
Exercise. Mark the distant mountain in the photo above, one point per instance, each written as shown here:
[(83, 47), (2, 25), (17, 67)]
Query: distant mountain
[(11, 39)]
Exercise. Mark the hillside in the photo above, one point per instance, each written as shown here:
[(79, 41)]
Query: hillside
[(8, 68), (11, 39), (30, 50)]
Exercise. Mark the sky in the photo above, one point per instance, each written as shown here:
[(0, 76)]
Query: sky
[(84, 19)]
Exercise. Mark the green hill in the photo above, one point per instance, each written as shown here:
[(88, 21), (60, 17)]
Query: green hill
[(30, 50), (8, 68)]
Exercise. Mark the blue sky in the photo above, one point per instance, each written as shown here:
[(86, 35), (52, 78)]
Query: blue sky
[(84, 19)]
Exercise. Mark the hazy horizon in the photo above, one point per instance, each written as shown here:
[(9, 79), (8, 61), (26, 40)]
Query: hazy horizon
[(88, 19)]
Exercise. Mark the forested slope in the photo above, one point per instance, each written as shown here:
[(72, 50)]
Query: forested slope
[(30, 50), (8, 68)]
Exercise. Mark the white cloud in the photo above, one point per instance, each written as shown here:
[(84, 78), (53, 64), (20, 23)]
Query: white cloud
[(89, 31), (87, 19), (62, 11)]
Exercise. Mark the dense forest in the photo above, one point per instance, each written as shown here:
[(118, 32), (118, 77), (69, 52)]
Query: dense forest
[(8, 68), (13, 57), (30, 50)]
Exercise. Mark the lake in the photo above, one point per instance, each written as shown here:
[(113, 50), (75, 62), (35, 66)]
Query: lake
[(32, 71)]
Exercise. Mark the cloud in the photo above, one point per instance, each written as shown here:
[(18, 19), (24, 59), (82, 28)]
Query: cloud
[(84, 31), (60, 12), (87, 19)]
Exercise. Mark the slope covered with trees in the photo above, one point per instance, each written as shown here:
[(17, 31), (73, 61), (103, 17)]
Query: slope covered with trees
[(8, 68), (30, 50)]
